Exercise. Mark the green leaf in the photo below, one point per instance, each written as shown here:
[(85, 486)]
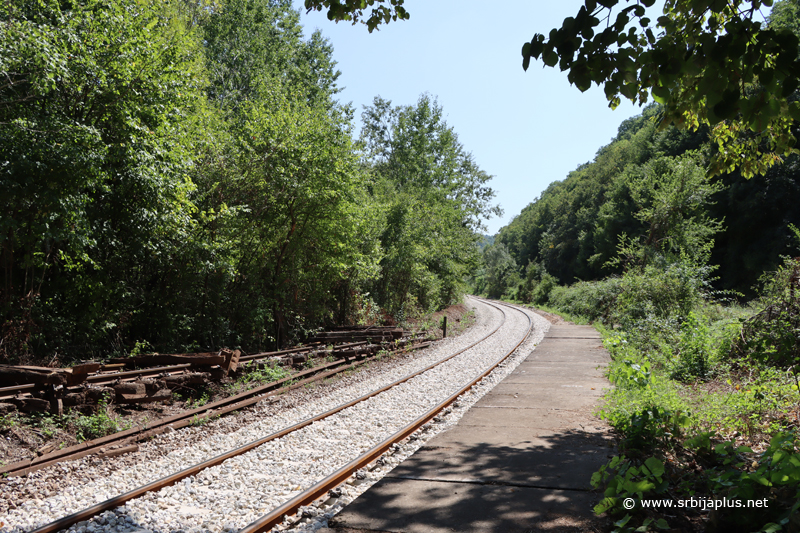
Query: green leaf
[(656, 466), (660, 94), (640, 486), (794, 112), (623, 521)]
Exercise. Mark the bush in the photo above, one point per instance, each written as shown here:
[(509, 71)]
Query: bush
[(661, 292), (693, 350), (772, 336), (594, 300), (541, 293)]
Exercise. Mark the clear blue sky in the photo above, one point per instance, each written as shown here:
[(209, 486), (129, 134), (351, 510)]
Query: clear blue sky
[(527, 129)]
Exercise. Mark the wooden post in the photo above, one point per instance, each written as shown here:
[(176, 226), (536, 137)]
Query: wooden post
[(444, 326)]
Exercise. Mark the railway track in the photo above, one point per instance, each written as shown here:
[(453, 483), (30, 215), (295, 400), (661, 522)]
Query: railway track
[(420, 407), (124, 441)]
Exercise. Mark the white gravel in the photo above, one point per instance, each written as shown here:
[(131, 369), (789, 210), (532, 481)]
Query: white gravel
[(231, 495)]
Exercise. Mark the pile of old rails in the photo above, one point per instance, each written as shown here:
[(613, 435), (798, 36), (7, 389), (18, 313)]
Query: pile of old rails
[(153, 377), (319, 489), (345, 357)]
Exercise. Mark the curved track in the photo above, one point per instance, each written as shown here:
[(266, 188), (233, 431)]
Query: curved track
[(341, 473)]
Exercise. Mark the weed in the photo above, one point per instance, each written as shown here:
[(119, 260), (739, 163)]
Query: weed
[(141, 347), (46, 424), (100, 424), (262, 374), (199, 401), (624, 480), (693, 350), (8, 422), (198, 421), (631, 375)]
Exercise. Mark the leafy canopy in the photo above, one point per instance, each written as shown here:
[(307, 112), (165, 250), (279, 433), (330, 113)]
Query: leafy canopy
[(354, 10)]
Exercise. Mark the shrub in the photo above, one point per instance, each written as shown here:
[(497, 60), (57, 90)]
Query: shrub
[(593, 300), (693, 350), (541, 293), (661, 292), (772, 336)]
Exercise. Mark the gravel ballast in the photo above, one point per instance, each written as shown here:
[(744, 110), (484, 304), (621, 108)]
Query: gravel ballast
[(231, 495)]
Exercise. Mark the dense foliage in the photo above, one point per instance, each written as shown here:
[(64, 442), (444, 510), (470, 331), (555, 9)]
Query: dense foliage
[(434, 197), (180, 176)]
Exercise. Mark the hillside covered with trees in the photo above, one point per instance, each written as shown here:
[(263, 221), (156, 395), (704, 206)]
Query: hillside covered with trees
[(180, 175), (648, 189)]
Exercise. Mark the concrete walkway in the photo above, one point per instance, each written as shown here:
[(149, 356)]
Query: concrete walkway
[(520, 460)]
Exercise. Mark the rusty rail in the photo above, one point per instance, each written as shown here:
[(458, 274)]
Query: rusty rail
[(116, 501), (276, 516), (101, 377)]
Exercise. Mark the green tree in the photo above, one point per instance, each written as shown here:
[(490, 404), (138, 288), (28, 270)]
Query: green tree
[(173, 172), (247, 41), (282, 191), (671, 196), (295, 188), (499, 270), (96, 108), (435, 197)]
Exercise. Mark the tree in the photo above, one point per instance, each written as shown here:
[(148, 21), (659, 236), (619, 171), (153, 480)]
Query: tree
[(671, 195), (96, 107), (435, 198), (707, 61), (173, 172), (248, 41), (282, 190), (499, 270)]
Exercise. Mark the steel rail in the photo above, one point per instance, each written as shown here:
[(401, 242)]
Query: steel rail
[(166, 481), (276, 516), (218, 408)]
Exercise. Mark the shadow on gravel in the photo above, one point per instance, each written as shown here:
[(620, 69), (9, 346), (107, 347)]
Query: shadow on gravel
[(541, 484)]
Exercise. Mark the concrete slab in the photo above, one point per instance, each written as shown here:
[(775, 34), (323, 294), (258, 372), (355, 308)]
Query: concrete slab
[(593, 355), (556, 461), (537, 418), (557, 398), (553, 370), (571, 331), (578, 381), (543, 388), (519, 460), (411, 506), (513, 437)]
